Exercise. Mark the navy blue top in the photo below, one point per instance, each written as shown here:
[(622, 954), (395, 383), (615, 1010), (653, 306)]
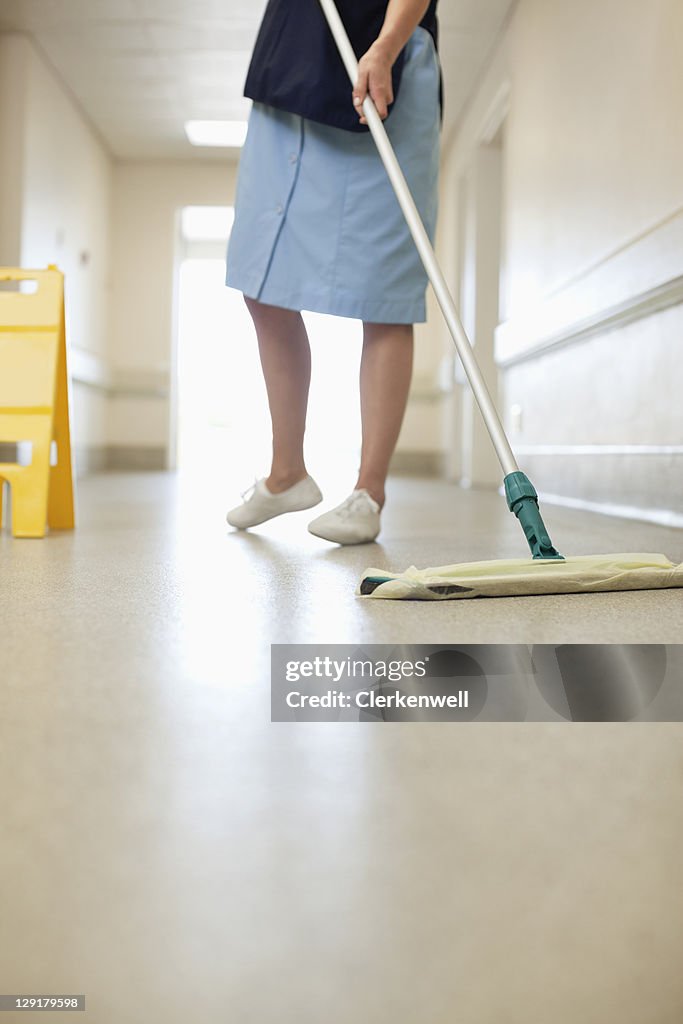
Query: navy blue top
[(296, 66)]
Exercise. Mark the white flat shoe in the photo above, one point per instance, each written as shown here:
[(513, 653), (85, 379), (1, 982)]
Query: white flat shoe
[(260, 504), (355, 521)]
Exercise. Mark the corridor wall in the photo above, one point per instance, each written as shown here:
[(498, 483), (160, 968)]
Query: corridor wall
[(589, 96)]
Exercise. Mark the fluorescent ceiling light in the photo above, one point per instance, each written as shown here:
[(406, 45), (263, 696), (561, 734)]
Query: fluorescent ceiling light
[(229, 134)]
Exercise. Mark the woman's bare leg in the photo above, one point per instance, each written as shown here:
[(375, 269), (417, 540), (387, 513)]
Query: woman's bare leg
[(286, 363), (385, 372)]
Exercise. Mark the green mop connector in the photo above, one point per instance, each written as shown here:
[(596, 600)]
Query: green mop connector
[(522, 499)]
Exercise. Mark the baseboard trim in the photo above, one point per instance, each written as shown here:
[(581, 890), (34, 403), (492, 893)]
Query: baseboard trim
[(656, 516), (91, 459), (415, 463), (599, 449), (136, 458)]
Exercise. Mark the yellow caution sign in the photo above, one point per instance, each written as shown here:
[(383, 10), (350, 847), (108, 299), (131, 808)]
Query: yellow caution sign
[(34, 402)]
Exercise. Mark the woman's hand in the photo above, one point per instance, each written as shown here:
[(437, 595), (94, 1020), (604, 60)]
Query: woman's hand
[(374, 77), (374, 68)]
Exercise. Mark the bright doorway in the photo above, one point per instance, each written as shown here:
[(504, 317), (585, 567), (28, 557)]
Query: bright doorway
[(222, 423)]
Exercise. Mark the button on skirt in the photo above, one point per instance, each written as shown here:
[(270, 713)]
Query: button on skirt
[(317, 225)]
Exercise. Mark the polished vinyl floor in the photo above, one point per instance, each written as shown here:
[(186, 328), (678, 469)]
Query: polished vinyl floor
[(168, 851)]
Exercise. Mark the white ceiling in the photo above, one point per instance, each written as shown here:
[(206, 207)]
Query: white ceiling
[(140, 68)]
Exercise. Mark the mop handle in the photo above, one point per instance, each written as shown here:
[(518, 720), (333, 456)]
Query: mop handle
[(424, 248)]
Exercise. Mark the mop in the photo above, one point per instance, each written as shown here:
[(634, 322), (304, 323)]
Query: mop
[(547, 571)]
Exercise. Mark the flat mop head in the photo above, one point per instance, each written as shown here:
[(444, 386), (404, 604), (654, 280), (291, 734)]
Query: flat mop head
[(517, 577)]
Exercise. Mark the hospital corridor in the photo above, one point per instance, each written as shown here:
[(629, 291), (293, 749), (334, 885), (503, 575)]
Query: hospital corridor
[(184, 837)]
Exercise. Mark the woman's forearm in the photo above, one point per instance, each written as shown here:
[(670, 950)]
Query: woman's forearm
[(401, 20), (374, 68)]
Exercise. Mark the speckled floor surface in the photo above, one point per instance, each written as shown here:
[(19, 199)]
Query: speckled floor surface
[(172, 854)]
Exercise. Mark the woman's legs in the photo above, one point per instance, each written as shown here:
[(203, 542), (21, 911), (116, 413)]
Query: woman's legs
[(385, 372), (286, 363)]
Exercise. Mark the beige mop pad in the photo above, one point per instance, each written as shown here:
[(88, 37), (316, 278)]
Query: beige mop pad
[(516, 577)]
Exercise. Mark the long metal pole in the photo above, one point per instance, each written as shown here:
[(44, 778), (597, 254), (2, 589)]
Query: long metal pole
[(424, 247)]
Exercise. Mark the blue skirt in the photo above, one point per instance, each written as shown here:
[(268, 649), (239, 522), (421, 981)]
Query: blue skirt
[(317, 225)]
